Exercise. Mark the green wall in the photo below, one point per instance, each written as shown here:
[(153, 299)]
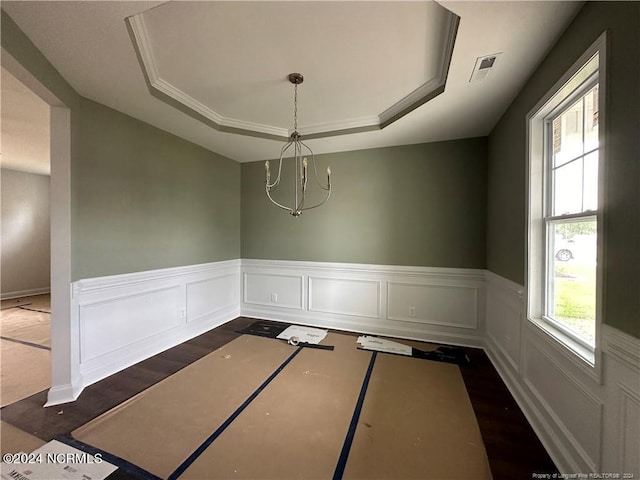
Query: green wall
[(421, 205), (141, 198), (507, 159), (147, 199)]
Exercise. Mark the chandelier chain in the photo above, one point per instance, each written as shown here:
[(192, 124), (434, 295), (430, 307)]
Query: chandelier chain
[(295, 107)]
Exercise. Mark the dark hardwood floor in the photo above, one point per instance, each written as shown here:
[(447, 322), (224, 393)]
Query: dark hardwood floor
[(513, 449)]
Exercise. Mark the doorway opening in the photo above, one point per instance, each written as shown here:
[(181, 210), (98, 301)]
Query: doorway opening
[(58, 146), (25, 284)]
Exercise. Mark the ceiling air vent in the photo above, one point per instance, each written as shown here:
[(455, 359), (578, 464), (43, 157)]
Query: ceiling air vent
[(483, 67)]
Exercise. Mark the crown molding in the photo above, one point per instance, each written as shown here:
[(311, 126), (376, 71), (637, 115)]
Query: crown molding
[(432, 88), (177, 98)]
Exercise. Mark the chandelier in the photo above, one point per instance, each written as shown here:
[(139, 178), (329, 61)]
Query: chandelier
[(300, 154)]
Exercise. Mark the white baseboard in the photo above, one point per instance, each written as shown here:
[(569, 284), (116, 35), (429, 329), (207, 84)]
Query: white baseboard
[(60, 394), (364, 328), (25, 293), (443, 305)]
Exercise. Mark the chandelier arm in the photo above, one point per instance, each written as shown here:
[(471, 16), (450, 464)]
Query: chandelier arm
[(300, 206), (275, 183), (289, 209), (319, 204), (296, 160), (299, 200), (282, 151), (315, 168)]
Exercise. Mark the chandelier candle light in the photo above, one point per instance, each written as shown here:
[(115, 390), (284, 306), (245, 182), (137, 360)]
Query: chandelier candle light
[(300, 154)]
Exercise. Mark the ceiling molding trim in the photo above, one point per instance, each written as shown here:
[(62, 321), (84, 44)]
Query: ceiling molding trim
[(431, 89), (143, 47), (333, 128), (175, 97), (200, 108), (148, 63), (416, 98)]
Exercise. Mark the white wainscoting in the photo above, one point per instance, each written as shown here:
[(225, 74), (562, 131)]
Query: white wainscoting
[(587, 422), (588, 419), (433, 304), (267, 289), (123, 319), (621, 429), (345, 296)]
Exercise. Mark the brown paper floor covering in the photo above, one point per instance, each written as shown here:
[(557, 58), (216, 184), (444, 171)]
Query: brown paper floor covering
[(27, 326), (296, 427), (24, 369), (163, 425), (14, 440), (416, 422)]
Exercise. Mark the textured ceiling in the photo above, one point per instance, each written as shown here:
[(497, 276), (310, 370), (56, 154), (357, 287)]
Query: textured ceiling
[(354, 63)]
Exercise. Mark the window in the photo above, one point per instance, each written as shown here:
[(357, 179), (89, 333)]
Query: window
[(570, 220), (565, 175)]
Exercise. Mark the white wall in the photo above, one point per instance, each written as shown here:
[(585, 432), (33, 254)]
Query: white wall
[(25, 222)]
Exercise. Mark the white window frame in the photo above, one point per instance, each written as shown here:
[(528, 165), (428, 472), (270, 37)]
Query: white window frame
[(549, 217), (571, 85)]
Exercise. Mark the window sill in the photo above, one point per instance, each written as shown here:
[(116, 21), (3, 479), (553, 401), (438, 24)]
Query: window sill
[(585, 355)]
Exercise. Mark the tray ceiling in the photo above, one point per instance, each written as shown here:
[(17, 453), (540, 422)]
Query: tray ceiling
[(358, 58), (231, 64)]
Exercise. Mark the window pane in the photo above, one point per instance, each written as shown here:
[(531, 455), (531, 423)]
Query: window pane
[(567, 134), (567, 188), (571, 293), (591, 120), (590, 182)]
